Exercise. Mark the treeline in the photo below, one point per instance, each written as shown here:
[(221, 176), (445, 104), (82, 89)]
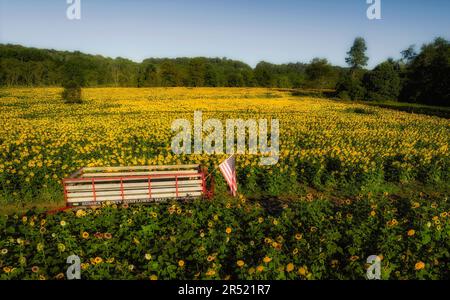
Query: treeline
[(420, 77), (24, 66)]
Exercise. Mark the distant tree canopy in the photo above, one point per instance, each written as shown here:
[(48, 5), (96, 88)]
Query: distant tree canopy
[(383, 82), (357, 58), (23, 66), (320, 73), (349, 85), (427, 78), (417, 77)]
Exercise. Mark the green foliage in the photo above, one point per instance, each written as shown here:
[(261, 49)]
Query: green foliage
[(350, 86), (309, 238), (428, 75), (72, 94), (318, 72), (383, 82), (357, 58), (38, 67), (74, 78), (421, 78)]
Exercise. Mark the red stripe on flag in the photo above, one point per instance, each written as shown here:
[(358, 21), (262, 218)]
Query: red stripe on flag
[(229, 173)]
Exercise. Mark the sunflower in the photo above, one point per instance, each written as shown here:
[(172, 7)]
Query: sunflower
[(289, 267), (267, 259), (354, 258), (419, 265), (61, 247), (181, 263), (110, 260), (35, 269), (302, 271), (240, 263), (80, 213), (228, 230), (98, 260), (85, 235)]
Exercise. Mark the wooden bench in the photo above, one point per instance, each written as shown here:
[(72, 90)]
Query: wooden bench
[(92, 186)]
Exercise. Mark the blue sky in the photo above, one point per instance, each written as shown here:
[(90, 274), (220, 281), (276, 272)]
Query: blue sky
[(277, 31)]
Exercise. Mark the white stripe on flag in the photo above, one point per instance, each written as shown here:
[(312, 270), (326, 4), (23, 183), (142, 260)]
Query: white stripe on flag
[(229, 173)]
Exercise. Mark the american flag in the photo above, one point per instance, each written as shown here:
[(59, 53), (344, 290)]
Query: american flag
[(228, 169)]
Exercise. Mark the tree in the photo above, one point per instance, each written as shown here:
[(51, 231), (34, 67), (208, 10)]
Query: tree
[(169, 74), (196, 72), (349, 86), (10, 70), (357, 58), (383, 82), (148, 75), (264, 74), (428, 75), (235, 80), (73, 79), (211, 76), (318, 71), (409, 54)]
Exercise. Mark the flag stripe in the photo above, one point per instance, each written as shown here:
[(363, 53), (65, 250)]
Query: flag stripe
[(228, 170)]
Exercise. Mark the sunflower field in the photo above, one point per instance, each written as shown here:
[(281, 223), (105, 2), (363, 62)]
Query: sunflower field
[(233, 239), (322, 142), (359, 150)]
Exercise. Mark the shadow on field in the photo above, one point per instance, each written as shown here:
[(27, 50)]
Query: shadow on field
[(272, 205)]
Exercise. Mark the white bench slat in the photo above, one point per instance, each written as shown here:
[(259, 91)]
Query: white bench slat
[(125, 178), (130, 186), (119, 174), (135, 197), (134, 192), (168, 167)]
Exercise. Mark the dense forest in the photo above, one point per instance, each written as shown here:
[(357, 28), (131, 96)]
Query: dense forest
[(422, 77), (23, 66)]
